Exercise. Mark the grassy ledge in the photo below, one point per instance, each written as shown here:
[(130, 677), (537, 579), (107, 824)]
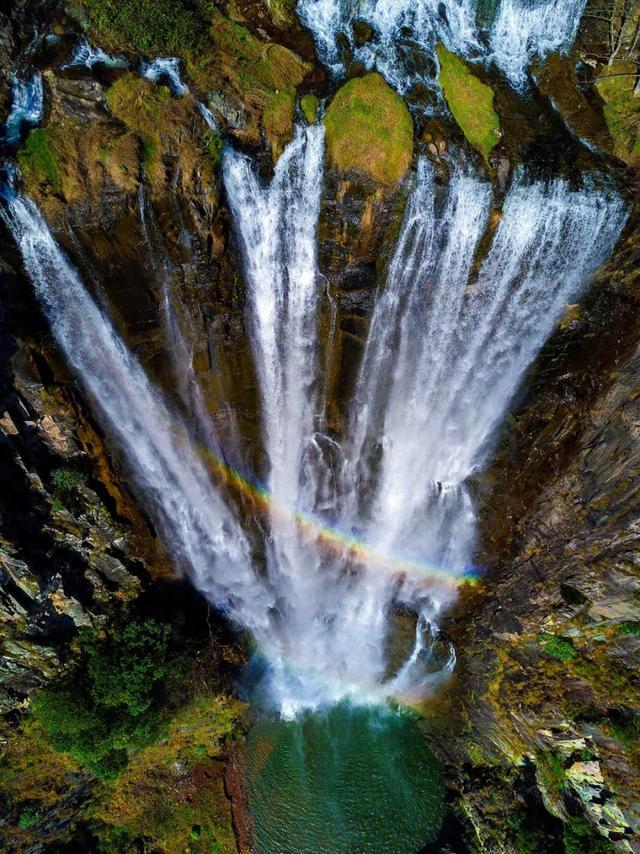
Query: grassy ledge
[(470, 102)]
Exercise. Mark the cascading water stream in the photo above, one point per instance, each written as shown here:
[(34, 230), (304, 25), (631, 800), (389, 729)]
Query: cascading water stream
[(201, 533), (444, 356), (404, 37), (27, 104), (523, 29)]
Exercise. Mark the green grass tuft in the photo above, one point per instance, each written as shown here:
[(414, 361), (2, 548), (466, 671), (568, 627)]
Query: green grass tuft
[(161, 26), (28, 817), (65, 482), (629, 627), (309, 105)]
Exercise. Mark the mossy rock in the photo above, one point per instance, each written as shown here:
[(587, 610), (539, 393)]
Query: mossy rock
[(277, 121), (470, 102), (39, 156), (309, 105), (622, 109), (369, 130)]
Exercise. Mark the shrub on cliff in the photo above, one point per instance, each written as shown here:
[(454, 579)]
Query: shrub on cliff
[(112, 702)]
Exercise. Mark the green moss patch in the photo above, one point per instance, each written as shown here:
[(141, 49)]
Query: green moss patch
[(621, 109), (369, 129), (470, 102), (560, 648), (39, 157)]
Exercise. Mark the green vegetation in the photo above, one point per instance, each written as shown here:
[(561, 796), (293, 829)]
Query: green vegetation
[(217, 51), (551, 772), (65, 481), (152, 729), (626, 730), (28, 817), (39, 158), (528, 836), (621, 109), (111, 704), (251, 62), (580, 837), (470, 102), (283, 12), (213, 146), (309, 105), (164, 26), (142, 106), (629, 627), (369, 129), (147, 110), (277, 119), (558, 647), (142, 802)]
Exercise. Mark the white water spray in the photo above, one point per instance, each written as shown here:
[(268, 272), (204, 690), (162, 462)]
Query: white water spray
[(165, 69), (444, 356), (524, 29), (87, 56)]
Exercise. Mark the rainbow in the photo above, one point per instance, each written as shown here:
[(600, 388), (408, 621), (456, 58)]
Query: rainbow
[(336, 540)]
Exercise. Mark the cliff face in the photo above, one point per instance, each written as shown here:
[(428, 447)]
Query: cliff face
[(539, 725), (545, 697)]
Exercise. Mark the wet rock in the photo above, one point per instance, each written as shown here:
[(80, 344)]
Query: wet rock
[(363, 32)]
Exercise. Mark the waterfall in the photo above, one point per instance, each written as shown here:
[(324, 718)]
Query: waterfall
[(524, 29), (404, 37), (166, 70), (172, 481), (277, 226), (86, 56), (385, 521), (27, 105), (381, 522), (446, 354)]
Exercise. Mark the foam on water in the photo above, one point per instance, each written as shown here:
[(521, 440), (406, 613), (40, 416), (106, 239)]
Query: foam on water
[(165, 69)]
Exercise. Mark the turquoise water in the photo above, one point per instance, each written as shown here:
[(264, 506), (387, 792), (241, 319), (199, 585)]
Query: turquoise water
[(349, 780)]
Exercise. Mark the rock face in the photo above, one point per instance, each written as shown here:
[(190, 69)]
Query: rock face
[(73, 547)]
